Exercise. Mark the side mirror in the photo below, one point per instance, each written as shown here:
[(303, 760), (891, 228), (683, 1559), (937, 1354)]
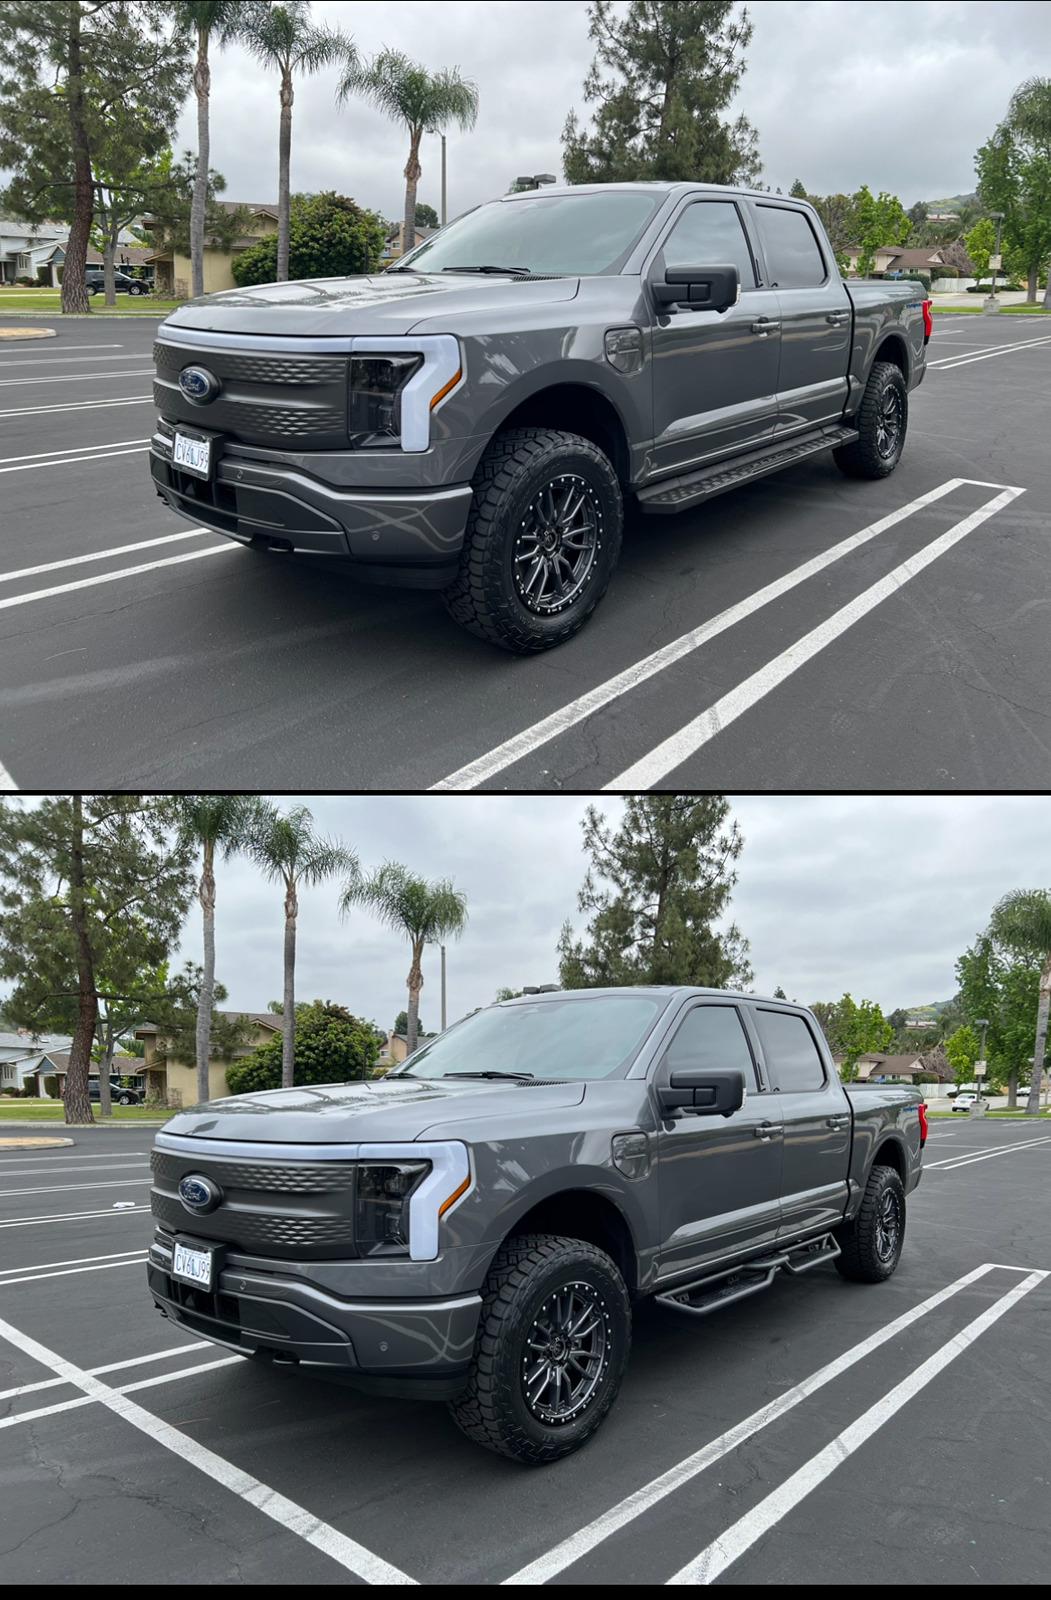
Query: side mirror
[(703, 1092), (700, 288)]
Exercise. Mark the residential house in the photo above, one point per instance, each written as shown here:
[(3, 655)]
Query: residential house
[(173, 273), (24, 246), (174, 1082), (892, 258), (55, 1064), (394, 243), (875, 1068), (21, 1055)]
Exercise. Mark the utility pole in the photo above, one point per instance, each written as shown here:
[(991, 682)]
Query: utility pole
[(991, 303), (443, 215), (443, 947)]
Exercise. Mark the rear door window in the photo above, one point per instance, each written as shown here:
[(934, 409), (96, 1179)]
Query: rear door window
[(793, 257), (793, 1061)]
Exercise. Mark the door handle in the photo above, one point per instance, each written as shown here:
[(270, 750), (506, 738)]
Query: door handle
[(838, 1123), (838, 319), (765, 326), (767, 1131)]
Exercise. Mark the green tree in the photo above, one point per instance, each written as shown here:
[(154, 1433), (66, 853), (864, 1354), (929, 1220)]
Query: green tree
[(1001, 988), (205, 21), (426, 216), (779, 993), (74, 76), (1014, 176), (289, 852), (798, 190), (859, 1029), (177, 1019), (670, 871), (664, 74), (508, 994), (76, 873), (837, 213), (981, 242), (878, 220), (284, 37), (329, 237), (331, 1046), (171, 205), (962, 1049), (424, 912), (211, 823), (401, 1023), (423, 101), (1021, 923)]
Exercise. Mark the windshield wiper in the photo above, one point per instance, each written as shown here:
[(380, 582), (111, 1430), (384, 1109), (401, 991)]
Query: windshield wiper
[(521, 1077), (513, 272)]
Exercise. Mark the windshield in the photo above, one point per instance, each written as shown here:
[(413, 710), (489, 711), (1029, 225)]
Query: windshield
[(557, 233), (560, 1039)]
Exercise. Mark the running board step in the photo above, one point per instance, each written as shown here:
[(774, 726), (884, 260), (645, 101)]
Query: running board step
[(677, 494), (705, 1295)]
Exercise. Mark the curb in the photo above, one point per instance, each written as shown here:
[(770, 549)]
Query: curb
[(33, 1144), (27, 333), (84, 316)]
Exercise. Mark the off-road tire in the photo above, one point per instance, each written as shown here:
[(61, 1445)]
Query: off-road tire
[(862, 458), (492, 1410), (514, 468), (860, 1259)]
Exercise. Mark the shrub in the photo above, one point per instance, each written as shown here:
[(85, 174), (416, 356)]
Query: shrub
[(10, 1091), (329, 237), (51, 1085), (332, 1046)]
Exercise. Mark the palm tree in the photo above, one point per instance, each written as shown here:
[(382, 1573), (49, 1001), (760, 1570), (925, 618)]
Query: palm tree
[(224, 20), (424, 101), (212, 822), (424, 911), (1022, 923), (289, 852), (284, 37)]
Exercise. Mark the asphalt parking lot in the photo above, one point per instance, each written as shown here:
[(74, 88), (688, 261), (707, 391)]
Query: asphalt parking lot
[(805, 632), (821, 1432)]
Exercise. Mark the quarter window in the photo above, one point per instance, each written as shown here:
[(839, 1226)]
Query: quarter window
[(710, 234), (793, 258), (792, 1058), (711, 1037)]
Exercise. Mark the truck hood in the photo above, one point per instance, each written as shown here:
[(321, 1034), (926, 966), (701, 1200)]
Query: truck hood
[(383, 1111), (387, 303)]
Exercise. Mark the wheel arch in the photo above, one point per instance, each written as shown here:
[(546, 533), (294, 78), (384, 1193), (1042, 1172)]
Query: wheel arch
[(572, 406), (579, 1213), (892, 347), (890, 1152)]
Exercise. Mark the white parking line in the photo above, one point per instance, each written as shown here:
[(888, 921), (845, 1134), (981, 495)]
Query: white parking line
[(951, 1162), (55, 1157), (76, 377), (523, 744), (84, 405), (579, 1544), (79, 347), (27, 1172), (354, 1557), (72, 1261), (7, 783), (100, 555), (951, 362), (112, 577), (56, 1188), (57, 361), (69, 461), (70, 1216), (68, 1272), (672, 752), (71, 450), (732, 1545), (120, 1388), (111, 1366)]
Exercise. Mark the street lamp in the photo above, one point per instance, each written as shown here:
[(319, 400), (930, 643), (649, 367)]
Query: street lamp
[(992, 303), (442, 949)]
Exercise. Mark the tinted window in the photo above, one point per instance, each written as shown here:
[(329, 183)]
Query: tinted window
[(792, 256), (559, 233), (792, 1059), (712, 1037), (710, 234)]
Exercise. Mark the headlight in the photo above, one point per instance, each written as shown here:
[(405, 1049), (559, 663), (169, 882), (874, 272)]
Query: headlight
[(381, 1206), (374, 410)]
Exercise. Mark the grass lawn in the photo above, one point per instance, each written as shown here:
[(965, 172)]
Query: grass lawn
[(53, 1111), (1004, 311), (50, 300)]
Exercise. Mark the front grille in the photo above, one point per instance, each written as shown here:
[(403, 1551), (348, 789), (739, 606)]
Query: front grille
[(265, 398), (312, 1177)]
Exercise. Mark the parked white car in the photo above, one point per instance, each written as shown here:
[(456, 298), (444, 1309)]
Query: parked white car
[(964, 1102)]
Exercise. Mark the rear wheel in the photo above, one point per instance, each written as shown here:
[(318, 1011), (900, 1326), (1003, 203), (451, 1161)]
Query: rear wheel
[(871, 1242), (553, 1339), (542, 540), (882, 421)]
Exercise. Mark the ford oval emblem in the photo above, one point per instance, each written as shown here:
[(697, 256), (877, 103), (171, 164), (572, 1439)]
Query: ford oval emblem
[(199, 385), (198, 1193)]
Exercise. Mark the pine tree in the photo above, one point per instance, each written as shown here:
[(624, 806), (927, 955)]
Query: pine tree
[(670, 871), (663, 76), (798, 189)]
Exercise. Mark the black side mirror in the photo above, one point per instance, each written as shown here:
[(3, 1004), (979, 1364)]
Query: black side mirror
[(700, 288), (703, 1092)]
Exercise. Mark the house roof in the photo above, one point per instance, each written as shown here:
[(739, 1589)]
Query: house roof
[(916, 258), (265, 1019), (896, 1066)]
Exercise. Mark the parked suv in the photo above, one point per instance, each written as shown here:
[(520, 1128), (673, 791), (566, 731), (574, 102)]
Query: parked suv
[(122, 282), (476, 418), (118, 1092), (476, 1226)]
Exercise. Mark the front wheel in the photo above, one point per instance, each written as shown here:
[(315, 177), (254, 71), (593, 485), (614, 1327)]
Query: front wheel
[(552, 1343), (871, 1242), (882, 421), (542, 540)]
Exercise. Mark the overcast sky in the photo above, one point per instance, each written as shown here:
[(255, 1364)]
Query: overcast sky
[(843, 92), (875, 896)]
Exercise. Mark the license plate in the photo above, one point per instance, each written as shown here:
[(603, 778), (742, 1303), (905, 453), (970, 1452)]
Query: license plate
[(192, 455), (192, 1266)]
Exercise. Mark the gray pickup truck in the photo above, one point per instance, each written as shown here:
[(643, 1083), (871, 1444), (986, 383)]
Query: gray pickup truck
[(475, 1226), (474, 418)]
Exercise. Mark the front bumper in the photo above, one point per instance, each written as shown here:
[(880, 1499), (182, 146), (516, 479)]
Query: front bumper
[(416, 533), (425, 1343)]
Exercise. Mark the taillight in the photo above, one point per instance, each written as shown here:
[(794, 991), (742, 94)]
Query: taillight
[(922, 1108), (928, 321)]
